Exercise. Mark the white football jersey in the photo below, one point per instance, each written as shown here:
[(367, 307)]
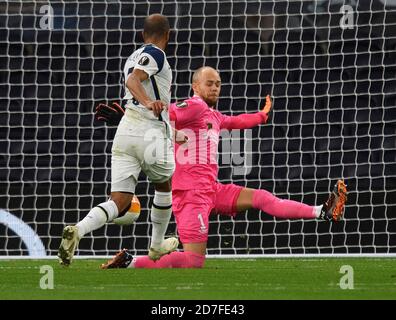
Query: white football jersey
[(151, 60)]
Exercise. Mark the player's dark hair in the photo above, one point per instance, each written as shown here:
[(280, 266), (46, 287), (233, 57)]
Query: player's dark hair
[(156, 26)]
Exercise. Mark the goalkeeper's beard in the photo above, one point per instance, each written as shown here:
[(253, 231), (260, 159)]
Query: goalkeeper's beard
[(211, 102)]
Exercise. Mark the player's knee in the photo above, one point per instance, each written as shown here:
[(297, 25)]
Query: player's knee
[(164, 186), (123, 201)]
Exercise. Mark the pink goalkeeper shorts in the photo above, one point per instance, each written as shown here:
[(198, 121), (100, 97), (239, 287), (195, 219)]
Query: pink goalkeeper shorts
[(193, 207)]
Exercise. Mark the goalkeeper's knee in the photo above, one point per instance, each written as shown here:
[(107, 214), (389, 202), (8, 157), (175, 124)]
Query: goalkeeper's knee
[(195, 260)]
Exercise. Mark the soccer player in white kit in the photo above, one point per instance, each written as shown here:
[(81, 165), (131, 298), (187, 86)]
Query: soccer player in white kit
[(142, 142)]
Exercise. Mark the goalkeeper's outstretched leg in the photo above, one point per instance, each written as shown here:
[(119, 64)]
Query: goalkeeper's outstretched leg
[(331, 210)]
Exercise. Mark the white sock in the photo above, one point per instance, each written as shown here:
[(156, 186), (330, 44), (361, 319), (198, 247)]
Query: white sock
[(317, 210), (161, 211), (97, 217)]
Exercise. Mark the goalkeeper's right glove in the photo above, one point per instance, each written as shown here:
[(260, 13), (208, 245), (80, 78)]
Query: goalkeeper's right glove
[(111, 114)]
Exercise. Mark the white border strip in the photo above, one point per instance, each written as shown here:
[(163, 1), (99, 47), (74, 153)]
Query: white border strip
[(234, 256)]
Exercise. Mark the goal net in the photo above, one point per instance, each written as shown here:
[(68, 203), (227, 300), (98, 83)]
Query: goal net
[(330, 67)]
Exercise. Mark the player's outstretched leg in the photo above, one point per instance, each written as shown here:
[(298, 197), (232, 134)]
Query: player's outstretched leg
[(96, 218), (333, 208), (168, 245), (70, 240)]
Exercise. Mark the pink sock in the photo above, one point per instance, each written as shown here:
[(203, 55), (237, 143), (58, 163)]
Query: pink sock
[(176, 259), (286, 209)]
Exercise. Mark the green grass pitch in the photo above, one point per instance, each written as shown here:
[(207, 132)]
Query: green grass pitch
[(255, 279)]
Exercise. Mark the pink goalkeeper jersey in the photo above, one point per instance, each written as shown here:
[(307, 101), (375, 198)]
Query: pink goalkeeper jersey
[(196, 160)]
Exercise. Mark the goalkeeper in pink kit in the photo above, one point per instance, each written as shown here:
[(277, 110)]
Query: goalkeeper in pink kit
[(195, 189)]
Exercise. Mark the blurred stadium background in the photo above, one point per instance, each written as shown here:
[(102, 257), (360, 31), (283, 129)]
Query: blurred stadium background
[(334, 115)]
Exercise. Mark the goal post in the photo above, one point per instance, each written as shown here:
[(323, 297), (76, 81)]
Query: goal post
[(329, 65)]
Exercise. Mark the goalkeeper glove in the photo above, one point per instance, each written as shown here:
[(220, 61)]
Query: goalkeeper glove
[(111, 113), (268, 106)]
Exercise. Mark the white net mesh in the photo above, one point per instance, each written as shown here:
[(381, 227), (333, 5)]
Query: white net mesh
[(330, 66)]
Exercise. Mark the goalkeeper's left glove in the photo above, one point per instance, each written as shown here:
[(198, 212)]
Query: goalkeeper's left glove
[(111, 113), (268, 106)]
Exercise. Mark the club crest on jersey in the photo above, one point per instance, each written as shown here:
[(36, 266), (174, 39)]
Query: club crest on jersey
[(144, 61), (182, 104)]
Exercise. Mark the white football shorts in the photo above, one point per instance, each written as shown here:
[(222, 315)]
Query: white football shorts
[(141, 144)]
